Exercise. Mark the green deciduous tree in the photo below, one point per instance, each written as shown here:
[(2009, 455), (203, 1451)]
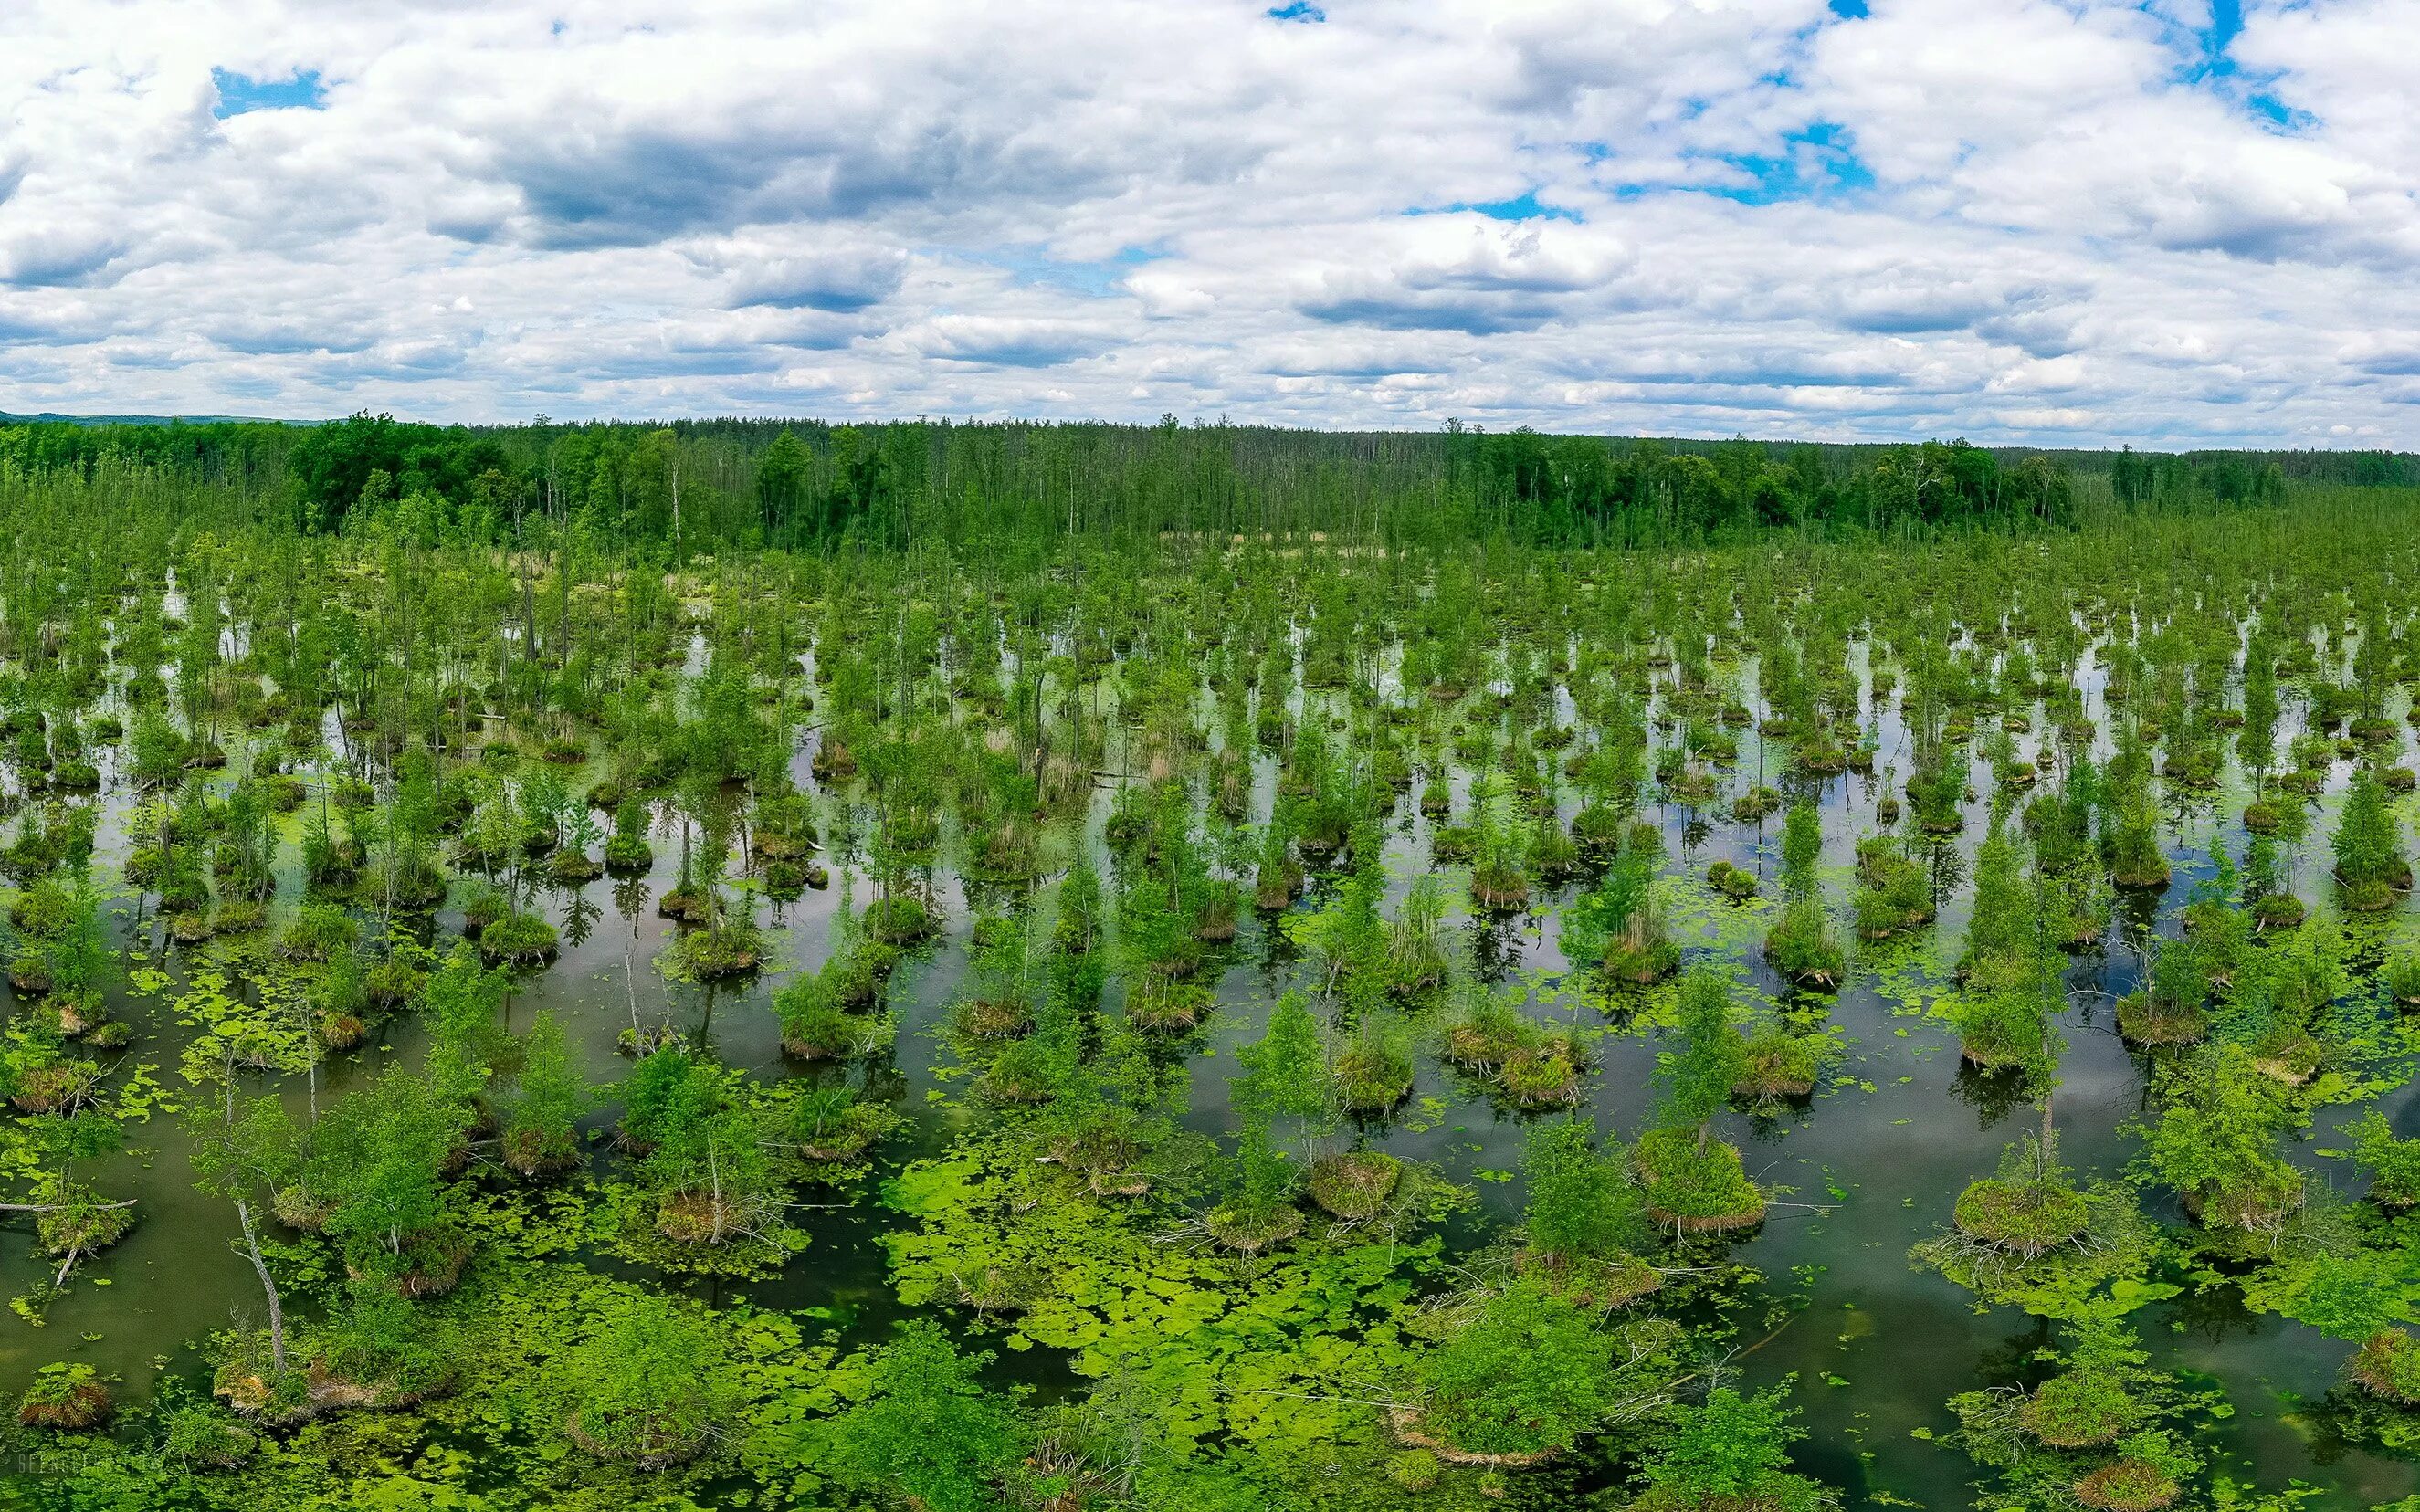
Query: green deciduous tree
[(927, 1429)]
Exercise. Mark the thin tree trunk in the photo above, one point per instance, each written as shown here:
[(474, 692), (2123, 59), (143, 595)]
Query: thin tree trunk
[(267, 1285)]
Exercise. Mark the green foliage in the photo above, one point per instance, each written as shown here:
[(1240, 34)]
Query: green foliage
[(2369, 845), (1618, 925), (1286, 1072), (1582, 1202), (927, 1427), (1802, 848), (398, 1350), (2392, 1163), (650, 1385), (250, 1146), (1531, 1373), (549, 1094), (2216, 1140), (378, 1157), (1732, 1450), (1696, 1076)]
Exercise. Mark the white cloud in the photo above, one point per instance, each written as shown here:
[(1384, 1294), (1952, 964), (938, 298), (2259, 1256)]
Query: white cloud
[(2025, 220)]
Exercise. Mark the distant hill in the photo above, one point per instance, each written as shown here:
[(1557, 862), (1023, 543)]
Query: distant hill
[(9, 419)]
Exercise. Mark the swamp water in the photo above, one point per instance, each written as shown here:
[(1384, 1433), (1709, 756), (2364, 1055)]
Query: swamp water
[(1872, 1161)]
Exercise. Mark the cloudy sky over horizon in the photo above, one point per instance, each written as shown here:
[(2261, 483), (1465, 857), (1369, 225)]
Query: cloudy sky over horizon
[(2168, 222)]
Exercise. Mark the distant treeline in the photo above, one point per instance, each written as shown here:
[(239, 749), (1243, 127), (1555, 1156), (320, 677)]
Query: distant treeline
[(697, 485)]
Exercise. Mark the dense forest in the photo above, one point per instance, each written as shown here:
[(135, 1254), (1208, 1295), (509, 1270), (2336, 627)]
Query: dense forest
[(697, 485), (1194, 969)]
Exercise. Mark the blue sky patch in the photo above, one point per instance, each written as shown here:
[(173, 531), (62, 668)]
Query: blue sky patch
[(2210, 66), (1521, 206), (1815, 163), (240, 94), (2273, 109), (1097, 279), (2207, 45), (1301, 10)]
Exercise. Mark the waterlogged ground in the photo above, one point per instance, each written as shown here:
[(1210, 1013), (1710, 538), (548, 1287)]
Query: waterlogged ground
[(1864, 1170)]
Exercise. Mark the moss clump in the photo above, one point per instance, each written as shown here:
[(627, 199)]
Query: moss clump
[(646, 1447), (1894, 895), (901, 919), (1499, 889), (1755, 804), (535, 1153), (2078, 1410), (1730, 880), (814, 1023), (1372, 1075), (298, 1209), (1691, 785), (716, 954), (76, 1013), (1594, 1280), (2023, 1217), (242, 916), (2145, 1019), (2387, 1365), (521, 939), (1491, 1033), (84, 1226), (64, 1397), (2279, 911), (1641, 953), (2126, 1485), (1779, 1064), (1801, 948), (1353, 1186), (198, 1436), (48, 1089), (1544, 1074), (2368, 896), (30, 971), (430, 1264), (393, 981), (833, 761), (828, 1138), (1596, 829), (995, 1018), (1414, 1470), (1279, 884), (1696, 1186), (2144, 871), (1167, 1007), (2401, 976), (2256, 1200), (340, 1032), (702, 1217), (1249, 1229)]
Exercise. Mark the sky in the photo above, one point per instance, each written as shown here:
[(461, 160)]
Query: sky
[(2163, 223)]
